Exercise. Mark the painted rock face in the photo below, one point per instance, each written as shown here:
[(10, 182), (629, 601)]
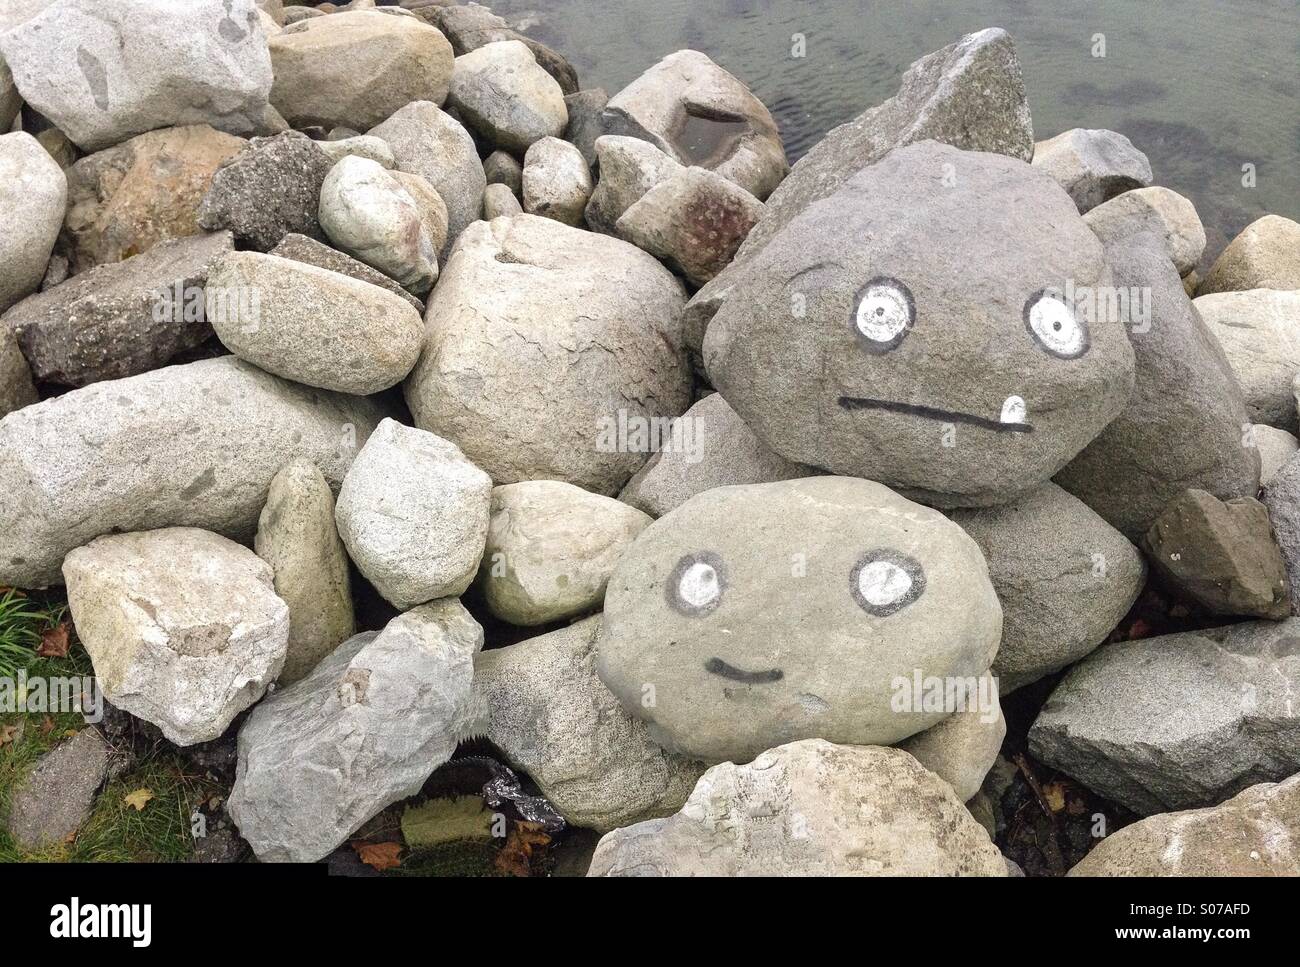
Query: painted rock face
[(756, 615), (944, 323)]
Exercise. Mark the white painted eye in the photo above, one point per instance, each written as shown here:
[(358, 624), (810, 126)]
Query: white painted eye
[(884, 313), (885, 581), (696, 584), (1053, 325)]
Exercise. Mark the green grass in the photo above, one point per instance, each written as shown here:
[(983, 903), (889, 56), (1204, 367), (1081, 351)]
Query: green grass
[(22, 622)]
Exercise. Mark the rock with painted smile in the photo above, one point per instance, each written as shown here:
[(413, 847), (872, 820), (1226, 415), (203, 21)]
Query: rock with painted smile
[(756, 615), (934, 325)]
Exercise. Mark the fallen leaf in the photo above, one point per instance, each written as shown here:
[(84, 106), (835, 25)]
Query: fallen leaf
[(54, 642), (8, 733), (138, 799), (47, 725), (515, 857), (1054, 795), (380, 856)]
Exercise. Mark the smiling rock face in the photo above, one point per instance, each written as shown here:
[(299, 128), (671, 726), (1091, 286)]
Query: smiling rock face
[(761, 614), (929, 325)]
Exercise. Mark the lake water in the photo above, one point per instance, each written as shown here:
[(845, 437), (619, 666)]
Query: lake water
[(1202, 86)]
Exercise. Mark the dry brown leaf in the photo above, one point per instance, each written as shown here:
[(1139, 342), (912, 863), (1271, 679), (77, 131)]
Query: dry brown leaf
[(380, 856), (54, 642), (138, 799), (7, 734), (47, 725), (1054, 795), (515, 857)]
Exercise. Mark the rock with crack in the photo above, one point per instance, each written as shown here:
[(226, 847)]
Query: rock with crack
[(183, 626), (809, 808), (413, 514), (552, 718), (365, 729), (1259, 330), (699, 114), (54, 800), (34, 198), (1064, 576), (311, 325), (1093, 165), (708, 446), (124, 200), (1252, 834), (806, 608), (1221, 554), (300, 248), (297, 537), (356, 68), (504, 95), (194, 445), (1178, 721), (121, 318), (267, 191), (1266, 255), (556, 181), (106, 72), (551, 548), (629, 167), (1155, 209), (1186, 423), (551, 353), (360, 146)]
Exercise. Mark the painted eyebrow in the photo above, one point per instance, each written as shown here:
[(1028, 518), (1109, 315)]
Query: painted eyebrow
[(719, 667)]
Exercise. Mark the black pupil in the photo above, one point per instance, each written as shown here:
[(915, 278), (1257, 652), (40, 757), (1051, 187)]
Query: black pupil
[(880, 310), (1057, 325)]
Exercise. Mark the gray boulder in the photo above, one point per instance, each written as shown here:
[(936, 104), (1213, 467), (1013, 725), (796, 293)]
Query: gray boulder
[(33, 196), (500, 202), (357, 68), (1282, 498), (16, 387), (1064, 576), (311, 325), (365, 729), (552, 718), (296, 536), (907, 330), (300, 248), (359, 146), (267, 191), (501, 168), (1093, 164), (551, 353), (1159, 210), (1266, 255), (709, 446), (586, 121), (556, 181), (470, 26), (1252, 834), (551, 548), (105, 72), (413, 514), (1186, 425), (430, 143), (1276, 448), (1179, 721), (504, 95), (698, 113), (806, 607), (629, 167), (120, 318), (962, 748), (183, 626), (1259, 330), (53, 801), (194, 445), (809, 808)]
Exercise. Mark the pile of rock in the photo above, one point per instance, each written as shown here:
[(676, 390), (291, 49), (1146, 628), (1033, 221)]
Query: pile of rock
[(965, 412)]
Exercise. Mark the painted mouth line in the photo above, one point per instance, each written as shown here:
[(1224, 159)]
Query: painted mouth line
[(933, 413), (719, 667)]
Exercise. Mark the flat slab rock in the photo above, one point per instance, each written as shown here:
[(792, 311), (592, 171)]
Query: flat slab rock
[(809, 808), (1179, 721), (53, 801)]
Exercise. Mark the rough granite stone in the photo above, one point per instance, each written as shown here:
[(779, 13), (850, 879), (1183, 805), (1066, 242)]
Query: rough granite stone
[(33, 197), (1276, 448), (300, 248), (53, 801), (1093, 164), (556, 181), (1156, 209), (961, 749), (504, 94), (1266, 255), (16, 387), (1259, 330)]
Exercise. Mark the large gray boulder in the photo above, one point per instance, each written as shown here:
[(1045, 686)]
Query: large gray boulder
[(551, 548), (1186, 425), (428, 142), (1064, 576), (183, 626), (311, 325), (121, 318), (709, 446), (1252, 834), (806, 608), (296, 536), (1179, 721), (194, 445), (544, 343), (33, 196), (698, 113), (907, 330), (105, 72), (356, 68), (809, 808), (504, 95), (1093, 165), (365, 729), (1259, 330), (552, 718), (413, 513), (1166, 213), (1266, 255)]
